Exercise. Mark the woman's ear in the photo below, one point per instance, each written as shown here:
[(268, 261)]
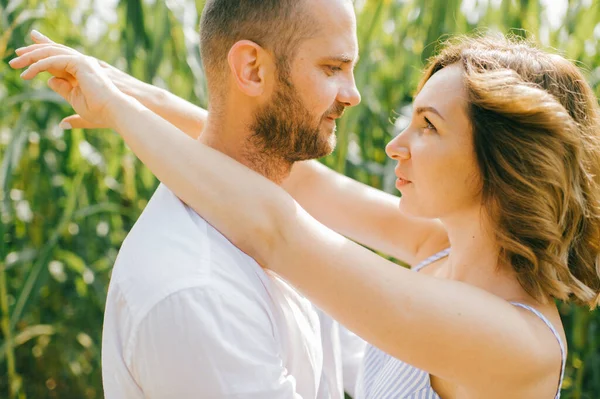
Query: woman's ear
[(250, 64)]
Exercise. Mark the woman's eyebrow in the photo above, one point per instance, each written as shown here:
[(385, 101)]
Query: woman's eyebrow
[(420, 110)]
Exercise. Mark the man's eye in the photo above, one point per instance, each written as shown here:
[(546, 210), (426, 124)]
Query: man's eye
[(333, 69)]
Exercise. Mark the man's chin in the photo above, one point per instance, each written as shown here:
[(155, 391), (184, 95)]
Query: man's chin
[(328, 141), (332, 142), (325, 148)]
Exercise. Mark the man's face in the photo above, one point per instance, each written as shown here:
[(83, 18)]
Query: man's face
[(299, 121)]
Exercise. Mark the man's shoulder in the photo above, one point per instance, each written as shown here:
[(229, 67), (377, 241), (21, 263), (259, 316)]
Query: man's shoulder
[(165, 213), (167, 242), (170, 249), (171, 240)]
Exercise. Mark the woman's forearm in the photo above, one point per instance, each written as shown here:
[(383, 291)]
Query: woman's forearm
[(364, 214), (202, 177), (186, 116)]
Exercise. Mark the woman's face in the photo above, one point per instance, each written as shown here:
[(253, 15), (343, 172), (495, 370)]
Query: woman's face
[(437, 170)]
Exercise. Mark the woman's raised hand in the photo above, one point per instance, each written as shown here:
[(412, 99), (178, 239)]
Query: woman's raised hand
[(79, 79)]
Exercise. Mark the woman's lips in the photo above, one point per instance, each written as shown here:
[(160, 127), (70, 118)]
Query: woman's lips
[(401, 182)]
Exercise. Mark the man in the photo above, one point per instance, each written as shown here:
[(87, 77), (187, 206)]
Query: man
[(189, 315)]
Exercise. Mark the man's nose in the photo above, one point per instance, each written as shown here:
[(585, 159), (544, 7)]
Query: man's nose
[(349, 94)]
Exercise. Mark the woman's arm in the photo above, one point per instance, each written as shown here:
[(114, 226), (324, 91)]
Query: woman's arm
[(450, 329), (188, 117), (364, 214)]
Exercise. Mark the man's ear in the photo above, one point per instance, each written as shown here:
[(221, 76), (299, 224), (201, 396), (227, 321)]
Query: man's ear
[(249, 64)]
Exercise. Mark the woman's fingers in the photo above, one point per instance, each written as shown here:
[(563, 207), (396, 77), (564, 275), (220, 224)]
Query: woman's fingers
[(38, 37), (77, 122), (27, 49), (61, 86), (59, 66), (38, 53)]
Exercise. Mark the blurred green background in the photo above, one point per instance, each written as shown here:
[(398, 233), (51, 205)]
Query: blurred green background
[(67, 199)]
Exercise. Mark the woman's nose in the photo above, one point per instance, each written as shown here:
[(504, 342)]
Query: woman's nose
[(397, 150)]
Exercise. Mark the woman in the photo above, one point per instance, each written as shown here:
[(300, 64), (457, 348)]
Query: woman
[(503, 149)]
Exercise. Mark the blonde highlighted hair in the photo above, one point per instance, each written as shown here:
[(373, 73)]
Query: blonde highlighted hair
[(536, 132)]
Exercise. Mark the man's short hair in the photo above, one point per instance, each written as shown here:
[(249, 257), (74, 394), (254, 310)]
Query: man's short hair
[(278, 26)]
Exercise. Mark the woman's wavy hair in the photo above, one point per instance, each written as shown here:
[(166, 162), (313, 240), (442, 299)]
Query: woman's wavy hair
[(536, 132)]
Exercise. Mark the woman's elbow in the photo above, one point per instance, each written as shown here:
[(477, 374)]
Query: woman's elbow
[(274, 230)]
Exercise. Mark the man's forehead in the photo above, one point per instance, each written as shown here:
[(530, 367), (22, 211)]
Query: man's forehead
[(332, 14), (339, 50), (333, 31), (338, 42), (334, 3)]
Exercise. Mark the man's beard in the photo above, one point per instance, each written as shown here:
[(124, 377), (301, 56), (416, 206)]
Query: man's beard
[(285, 132)]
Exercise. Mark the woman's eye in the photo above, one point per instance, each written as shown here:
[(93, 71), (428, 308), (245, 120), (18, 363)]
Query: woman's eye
[(429, 125)]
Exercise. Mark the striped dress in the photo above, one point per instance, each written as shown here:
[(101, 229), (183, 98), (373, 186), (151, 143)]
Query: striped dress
[(385, 377)]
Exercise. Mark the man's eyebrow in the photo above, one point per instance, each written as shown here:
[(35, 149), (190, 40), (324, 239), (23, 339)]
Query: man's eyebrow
[(420, 110), (344, 59)]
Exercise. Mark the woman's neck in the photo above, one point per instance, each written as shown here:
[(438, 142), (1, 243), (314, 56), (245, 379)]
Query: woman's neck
[(475, 259)]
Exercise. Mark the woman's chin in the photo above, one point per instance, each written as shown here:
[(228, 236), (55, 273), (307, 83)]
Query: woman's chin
[(407, 208)]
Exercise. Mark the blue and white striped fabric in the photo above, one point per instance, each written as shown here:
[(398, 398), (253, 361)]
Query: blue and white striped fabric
[(562, 346), (388, 378), (431, 259), (385, 377)]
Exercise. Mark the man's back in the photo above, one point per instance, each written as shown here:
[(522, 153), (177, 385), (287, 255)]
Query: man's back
[(189, 315)]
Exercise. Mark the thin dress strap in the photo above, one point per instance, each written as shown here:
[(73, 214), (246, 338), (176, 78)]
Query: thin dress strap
[(446, 252), (562, 347), (431, 259)]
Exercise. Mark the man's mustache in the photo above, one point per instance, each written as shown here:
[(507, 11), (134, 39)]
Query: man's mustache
[(337, 111)]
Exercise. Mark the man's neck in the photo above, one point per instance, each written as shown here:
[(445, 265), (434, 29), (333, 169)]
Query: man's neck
[(232, 139)]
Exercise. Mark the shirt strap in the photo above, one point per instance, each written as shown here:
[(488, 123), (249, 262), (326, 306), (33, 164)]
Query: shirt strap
[(432, 259), (555, 332)]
